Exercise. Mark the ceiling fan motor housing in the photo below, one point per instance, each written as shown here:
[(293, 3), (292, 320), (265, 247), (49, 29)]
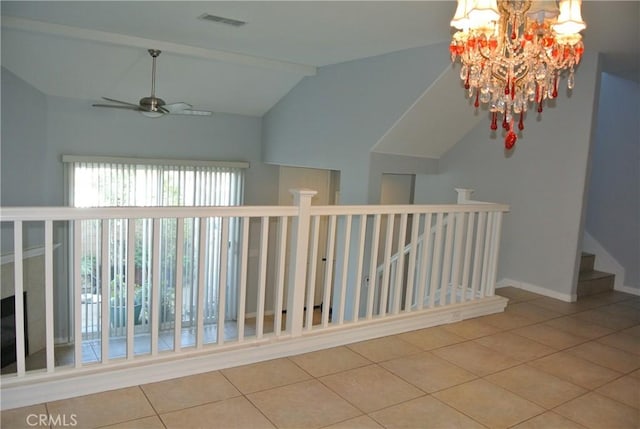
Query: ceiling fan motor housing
[(151, 103)]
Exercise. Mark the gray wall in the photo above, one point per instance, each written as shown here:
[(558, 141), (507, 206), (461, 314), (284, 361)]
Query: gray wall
[(543, 180), (613, 210), (382, 163), (332, 120), (37, 130), (24, 131)]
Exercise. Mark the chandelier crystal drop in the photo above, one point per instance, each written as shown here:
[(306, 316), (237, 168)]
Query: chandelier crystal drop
[(514, 52)]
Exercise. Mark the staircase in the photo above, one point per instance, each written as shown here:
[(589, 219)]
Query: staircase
[(591, 281)]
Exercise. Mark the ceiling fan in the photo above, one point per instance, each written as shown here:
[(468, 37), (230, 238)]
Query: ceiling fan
[(153, 106)]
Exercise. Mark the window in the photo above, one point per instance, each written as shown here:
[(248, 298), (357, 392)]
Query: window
[(109, 182)]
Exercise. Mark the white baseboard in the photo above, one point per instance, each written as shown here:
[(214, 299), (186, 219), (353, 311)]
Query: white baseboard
[(40, 386), (537, 289), (628, 289), (253, 315)]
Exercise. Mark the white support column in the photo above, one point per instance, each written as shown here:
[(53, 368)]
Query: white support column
[(298, 264), (464, 195)]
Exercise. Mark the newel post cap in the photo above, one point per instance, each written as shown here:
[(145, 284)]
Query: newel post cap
[(464, 194)]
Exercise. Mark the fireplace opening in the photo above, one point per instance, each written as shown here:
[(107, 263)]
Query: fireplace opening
[(8, 329)]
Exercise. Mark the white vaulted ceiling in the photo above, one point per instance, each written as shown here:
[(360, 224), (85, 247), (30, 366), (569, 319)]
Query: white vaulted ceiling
[(90, 49)]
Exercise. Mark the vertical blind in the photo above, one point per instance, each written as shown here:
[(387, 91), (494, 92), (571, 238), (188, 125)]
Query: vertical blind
[(123, 184)]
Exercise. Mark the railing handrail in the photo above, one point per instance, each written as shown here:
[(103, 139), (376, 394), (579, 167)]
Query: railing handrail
[(406, 208), (74, 213), (8, 214)]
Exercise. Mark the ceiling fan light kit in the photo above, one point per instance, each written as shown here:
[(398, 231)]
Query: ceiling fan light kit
[(152, 106)]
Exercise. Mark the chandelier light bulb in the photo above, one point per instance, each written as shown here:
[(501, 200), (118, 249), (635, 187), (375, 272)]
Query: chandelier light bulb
[(513, 54)]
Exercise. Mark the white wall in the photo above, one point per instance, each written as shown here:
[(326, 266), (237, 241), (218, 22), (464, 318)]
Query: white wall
[(332, 120), (543, 180), (613, 210)]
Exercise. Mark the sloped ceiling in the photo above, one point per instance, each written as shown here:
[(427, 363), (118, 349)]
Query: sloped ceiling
[(437, 120), (89, 49)]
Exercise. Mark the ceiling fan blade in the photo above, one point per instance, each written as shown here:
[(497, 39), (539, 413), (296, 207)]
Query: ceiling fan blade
[(182, 108), (113, 106), (192, 112), (120, 102), (176, 107)]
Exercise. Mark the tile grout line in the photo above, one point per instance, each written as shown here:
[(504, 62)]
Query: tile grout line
[(152, 406)]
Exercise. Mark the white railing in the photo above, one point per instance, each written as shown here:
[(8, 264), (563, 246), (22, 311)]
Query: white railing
[(391, 277), (282, 292)]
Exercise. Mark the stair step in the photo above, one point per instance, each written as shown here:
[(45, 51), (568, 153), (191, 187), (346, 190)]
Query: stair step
[(592, 282), (587, 262)]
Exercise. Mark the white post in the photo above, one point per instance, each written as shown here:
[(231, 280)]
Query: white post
[(298, 264), (464, 195)]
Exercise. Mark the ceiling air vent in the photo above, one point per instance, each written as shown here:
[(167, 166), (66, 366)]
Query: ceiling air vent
[(221, 20)]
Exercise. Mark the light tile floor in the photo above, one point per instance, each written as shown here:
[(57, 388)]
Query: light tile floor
[(540, 364)]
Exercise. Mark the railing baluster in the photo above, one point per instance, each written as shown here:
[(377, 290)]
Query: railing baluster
[(487, 256), (311, 277), (281, 257), (155, 288), (467, 255), (131, 284), (345, 269), (477, 254), (435, 266), (397, 290), (177, 323), (360, 258), (18, 279), (413, 254), (446, 264), (262, 279), (242, 293), (457, 258), (77, 295), (386, 271), (496, 233), (373, 266), (104, 291), (48, 294), (222, 288), (202, 241), (328, 276), (426, 261)]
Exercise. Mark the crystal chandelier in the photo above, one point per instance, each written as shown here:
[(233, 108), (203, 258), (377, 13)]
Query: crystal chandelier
[(513, 53)]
